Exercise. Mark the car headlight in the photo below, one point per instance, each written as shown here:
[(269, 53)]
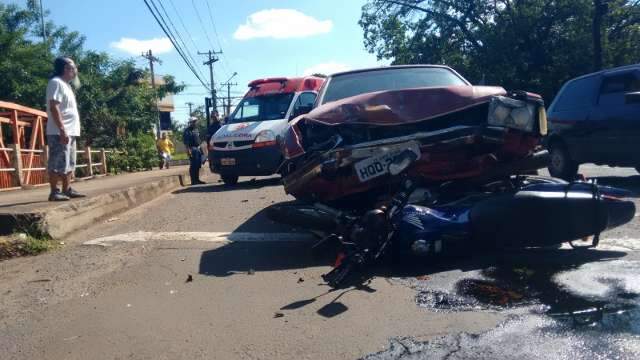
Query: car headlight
[(265, 136), (512, 113)]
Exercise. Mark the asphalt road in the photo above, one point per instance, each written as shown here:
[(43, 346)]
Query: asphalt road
[(163, 282)]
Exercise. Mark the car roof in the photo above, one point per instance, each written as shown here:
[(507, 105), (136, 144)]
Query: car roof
[(390, 67), (608, 71)]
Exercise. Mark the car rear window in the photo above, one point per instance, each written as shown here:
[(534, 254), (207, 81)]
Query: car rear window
[(577, 93), (347, 85)]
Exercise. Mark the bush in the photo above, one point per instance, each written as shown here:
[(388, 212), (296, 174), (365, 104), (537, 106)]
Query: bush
[(138, 153)]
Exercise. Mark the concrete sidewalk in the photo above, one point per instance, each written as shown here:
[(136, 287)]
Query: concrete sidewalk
[(29, 210)]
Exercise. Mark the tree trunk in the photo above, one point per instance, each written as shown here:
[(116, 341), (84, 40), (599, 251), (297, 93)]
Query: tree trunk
[(599, 11)]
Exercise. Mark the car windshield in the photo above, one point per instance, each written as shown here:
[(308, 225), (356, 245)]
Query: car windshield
[(262, 108), (353, 84)]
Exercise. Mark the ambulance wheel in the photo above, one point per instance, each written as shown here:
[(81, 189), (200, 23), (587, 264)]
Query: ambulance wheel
[(230, 179)]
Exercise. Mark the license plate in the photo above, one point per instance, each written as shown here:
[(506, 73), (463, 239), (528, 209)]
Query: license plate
[(376, 166), (227, 161)]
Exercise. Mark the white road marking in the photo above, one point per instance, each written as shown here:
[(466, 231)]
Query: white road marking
[(218, 237)]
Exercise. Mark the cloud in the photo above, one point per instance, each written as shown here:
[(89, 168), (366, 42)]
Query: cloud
[(326, 68), (136, 47), (281, 24)]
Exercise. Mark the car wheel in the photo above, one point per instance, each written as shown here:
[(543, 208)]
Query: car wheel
[(230, 179), (561, 165)]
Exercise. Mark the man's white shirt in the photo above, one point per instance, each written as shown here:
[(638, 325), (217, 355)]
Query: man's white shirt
[(60, 91)]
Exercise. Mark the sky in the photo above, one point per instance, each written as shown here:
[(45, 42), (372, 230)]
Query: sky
[(259, 38)]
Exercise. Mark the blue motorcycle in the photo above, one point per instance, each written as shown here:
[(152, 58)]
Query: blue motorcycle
[(423, 224)]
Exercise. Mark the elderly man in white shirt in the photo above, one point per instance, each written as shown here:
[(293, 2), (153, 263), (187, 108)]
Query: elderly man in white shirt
[(63, 128)]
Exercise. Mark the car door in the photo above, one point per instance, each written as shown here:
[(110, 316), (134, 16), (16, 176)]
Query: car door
[(569, 116), (619, 122)]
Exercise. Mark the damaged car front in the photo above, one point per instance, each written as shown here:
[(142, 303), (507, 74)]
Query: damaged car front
[(363, 119)]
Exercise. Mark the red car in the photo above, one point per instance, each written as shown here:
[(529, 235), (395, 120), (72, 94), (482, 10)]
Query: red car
[(362, 119)]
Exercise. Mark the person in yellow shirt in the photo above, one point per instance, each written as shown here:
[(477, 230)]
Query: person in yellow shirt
[(165, 148)]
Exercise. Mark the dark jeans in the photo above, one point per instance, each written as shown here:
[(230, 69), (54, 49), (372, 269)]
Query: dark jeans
[(195, 164)]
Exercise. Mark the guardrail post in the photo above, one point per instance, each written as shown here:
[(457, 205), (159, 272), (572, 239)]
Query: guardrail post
[(45, 161), (17, 164), (103, 159), (87, 152)]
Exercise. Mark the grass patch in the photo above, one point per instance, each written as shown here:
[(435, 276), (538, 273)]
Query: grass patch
[(21, 244), (180, 156)]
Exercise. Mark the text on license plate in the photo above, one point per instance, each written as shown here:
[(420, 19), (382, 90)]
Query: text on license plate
[(227, 161), (376, 166)]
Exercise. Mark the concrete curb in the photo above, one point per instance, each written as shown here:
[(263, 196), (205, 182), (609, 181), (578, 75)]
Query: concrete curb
[(62, 220)]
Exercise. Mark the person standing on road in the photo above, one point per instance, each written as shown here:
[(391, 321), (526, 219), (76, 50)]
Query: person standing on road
[(214, 126), (63, 128), (165, 148), (192, 141)]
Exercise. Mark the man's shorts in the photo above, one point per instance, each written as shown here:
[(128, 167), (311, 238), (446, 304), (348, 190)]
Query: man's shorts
[(62, 157)]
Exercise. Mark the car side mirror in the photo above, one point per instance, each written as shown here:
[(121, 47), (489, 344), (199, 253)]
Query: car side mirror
[(632, 97), (301, 110)]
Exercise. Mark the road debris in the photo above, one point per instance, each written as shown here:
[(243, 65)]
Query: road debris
[(112, 219), (244, 201), (39, 280), (300, 280), (189, 278), (278, 315)]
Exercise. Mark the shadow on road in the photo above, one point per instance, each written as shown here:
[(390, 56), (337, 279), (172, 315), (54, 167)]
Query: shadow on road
[(220, 187), (253, 256)]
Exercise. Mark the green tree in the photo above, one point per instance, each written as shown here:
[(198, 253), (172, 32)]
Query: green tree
[(115, 94), (534, 45)]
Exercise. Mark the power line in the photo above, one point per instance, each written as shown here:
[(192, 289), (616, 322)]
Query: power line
[(204, 29), (183, 25), (215, 31), (171, 36), (174, 42), (175, 30)]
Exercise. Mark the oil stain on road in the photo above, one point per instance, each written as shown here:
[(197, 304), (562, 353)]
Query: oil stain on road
[(559, 305)]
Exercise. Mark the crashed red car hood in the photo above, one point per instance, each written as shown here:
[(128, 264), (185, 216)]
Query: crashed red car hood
[(401, 106)]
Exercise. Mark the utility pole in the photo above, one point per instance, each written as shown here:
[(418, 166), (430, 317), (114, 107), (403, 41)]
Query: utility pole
[(149, 56), (190, 105), (44, 31), (211, 59), (229, 85)]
